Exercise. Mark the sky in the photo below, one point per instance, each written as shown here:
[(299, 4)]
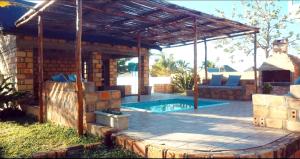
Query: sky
[(217, 55)]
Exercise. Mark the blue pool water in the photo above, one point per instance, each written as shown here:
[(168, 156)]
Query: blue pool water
[(171, 105)]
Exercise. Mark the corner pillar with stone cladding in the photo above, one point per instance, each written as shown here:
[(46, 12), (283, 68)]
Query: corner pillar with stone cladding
[(145, 72), (275, 111), (95, 70), (113, 72), (24, 70)]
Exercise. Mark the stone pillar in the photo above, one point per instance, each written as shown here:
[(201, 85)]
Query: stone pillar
[(24, 70), (96, 69), (113, 74), (145, 70)]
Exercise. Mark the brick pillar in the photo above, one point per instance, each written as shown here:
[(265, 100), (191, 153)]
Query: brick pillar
[(113, 72), (96, 69), (24, 70), (146, 69)]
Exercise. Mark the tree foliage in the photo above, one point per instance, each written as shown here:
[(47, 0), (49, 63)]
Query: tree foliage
[(267, 16), (183, 80), (164, 66), (8, 94), (122, 67), (210, 64)]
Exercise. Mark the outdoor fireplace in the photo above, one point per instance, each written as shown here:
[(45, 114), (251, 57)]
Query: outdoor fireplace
[(280, 69), (277, 77)]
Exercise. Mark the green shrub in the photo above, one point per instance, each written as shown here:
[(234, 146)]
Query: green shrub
[(9, 99), (267, 88), (183, 80)]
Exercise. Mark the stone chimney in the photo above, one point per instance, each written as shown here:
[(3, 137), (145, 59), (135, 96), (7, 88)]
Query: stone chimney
[(281, 46)]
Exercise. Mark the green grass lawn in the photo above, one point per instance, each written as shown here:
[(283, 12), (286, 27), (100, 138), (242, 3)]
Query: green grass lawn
[(24, 136)]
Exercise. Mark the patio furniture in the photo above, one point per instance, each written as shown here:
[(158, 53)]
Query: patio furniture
[(232, 89)]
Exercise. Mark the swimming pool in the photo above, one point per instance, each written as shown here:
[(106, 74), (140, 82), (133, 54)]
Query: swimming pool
[(170, 105)]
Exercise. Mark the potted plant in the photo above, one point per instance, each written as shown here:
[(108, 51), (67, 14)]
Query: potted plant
[(267, 88), (111, 118)]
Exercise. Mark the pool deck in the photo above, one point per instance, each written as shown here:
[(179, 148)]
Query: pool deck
[(219, 128)]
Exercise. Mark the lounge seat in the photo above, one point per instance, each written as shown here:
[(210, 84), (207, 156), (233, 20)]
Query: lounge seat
[(232, 89), (221, 87)]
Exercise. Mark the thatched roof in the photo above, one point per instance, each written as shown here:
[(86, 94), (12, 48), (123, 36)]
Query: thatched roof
[(280, 61)]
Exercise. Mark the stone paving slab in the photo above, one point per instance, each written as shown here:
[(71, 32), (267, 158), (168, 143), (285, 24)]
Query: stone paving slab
[(227, 127)]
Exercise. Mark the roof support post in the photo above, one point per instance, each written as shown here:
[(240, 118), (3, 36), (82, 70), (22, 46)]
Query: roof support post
[(205, 62), (78, 66), (139, 66), (40, 67), (195, 66), (255, 67)]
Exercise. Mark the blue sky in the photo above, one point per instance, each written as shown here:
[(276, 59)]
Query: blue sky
[(217, 55)]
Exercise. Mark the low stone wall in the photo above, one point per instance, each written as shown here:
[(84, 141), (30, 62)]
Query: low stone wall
[(286, 147), (61, 102), (280, 90), (69, 152), (127, 90), (163, 88), (275, 111), (245, 93)]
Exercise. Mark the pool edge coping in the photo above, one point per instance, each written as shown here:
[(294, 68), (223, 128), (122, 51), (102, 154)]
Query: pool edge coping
[(285, 146)]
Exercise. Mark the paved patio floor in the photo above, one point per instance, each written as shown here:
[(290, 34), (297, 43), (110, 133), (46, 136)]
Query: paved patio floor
[(227, 127)]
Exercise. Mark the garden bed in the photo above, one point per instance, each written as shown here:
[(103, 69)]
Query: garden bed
[(23, 137)]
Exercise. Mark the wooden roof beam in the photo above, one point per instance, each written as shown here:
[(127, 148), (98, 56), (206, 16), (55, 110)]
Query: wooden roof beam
[(179, 27), (179, 10), (127, 19), (200, 32), (37, 9)]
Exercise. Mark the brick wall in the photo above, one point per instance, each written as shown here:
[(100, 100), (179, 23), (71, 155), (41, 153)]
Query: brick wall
[(61, 102), (280, 90), (59, 58), (163, 88), (96, 68), (145, 66), (24, 70), (113, 72)]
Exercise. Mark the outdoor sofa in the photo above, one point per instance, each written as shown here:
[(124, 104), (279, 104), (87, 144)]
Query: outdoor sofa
[(232, 88)]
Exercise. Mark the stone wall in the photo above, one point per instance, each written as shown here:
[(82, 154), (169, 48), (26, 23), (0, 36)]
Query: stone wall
[(163, 88), (280, 90), (145, 71), (24, 70), (95, 73), (243, 93), (113, 72), (61, 102), (275, 111), (59, 58)]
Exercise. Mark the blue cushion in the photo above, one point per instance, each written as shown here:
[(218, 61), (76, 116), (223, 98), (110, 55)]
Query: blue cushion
[(297, 81), (216, 80), (233, 80), (72, 77), (59, 78)]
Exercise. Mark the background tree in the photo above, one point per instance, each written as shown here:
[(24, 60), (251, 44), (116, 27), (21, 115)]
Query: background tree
[(265, 15), (122, 67), (164, 65), (210, 64)]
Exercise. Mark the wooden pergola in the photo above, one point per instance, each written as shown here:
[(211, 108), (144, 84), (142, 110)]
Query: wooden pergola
[(143, 23)]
